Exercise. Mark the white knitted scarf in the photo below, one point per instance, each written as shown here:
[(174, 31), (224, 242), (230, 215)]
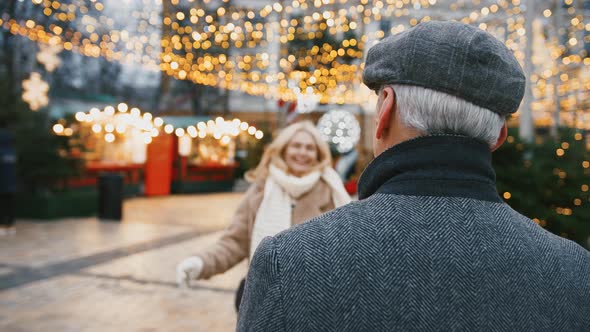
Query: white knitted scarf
[(274, 213)]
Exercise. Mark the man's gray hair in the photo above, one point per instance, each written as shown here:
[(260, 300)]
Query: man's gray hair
[(432, 112)]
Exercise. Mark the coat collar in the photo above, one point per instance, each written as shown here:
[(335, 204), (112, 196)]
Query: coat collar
[(438, 165)]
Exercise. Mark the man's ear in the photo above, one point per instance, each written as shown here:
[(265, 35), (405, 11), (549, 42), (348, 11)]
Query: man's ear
[(501, 138), (385, 112)]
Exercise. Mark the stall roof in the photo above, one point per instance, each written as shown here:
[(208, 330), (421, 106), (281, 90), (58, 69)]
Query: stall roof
[(61, 107), (184, 121)]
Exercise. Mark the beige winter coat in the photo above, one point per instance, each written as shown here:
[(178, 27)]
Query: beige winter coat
[(234, 244)]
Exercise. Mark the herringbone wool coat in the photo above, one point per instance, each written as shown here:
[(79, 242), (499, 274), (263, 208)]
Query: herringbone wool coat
[(429, 247)]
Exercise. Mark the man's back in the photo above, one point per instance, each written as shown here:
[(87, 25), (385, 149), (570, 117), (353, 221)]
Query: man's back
[(430, 247), (389, 262)]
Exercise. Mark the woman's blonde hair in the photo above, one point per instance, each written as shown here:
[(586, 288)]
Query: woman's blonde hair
[(273, 154)]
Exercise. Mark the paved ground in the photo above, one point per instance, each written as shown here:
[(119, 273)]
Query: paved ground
[(87, 275)]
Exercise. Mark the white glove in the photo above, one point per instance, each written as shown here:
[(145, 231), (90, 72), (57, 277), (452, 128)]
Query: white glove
[(189, 268)]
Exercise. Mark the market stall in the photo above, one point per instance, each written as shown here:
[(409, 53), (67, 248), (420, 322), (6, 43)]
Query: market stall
[(207, 149), (156, 155), (110, 140)]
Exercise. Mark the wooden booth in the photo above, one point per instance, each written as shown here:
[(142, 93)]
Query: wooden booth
[(157, 156)]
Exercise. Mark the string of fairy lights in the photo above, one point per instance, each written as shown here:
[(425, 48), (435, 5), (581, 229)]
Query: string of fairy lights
[(257, 76), (333, 83), (121, 120), (228, 46)]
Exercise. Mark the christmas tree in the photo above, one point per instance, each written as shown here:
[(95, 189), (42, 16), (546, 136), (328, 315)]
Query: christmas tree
[(549, 182)]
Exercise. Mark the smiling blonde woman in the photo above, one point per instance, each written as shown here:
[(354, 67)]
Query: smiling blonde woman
[(293, 182)]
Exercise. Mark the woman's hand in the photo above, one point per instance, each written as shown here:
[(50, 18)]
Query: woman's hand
[(189, 268)]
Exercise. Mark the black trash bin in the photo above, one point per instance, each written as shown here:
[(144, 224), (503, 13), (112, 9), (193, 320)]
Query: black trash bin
[(110, 196), (7, 178)]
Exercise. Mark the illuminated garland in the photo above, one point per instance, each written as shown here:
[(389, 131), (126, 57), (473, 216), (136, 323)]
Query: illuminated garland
[(259, 73), (112, 121)]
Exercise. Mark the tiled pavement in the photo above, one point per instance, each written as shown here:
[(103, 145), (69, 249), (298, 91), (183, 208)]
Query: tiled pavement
[(87, 275)]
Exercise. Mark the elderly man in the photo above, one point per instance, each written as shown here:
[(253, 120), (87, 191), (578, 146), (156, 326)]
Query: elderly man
[(430, 246)]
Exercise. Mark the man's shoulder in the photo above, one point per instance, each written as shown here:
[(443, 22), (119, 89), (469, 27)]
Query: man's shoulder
[(322, 229), (569, 254), (545, 240)]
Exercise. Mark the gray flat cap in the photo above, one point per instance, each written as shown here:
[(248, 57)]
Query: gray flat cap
[(449, 57)]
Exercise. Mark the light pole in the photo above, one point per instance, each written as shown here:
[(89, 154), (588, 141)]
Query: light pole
[(557, 111), (526, 125)]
